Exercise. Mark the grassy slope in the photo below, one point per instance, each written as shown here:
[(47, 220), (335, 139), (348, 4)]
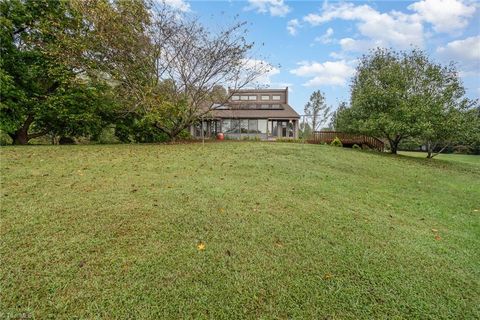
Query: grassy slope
[(291, 231)]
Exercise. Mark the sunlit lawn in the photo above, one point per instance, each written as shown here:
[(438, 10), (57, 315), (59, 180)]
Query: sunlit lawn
[(465, 158), (289, 231)]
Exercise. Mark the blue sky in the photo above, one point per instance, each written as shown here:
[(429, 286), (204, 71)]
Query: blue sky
[(314, 44)]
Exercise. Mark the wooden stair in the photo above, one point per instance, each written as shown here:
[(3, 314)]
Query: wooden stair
[(347, 139)]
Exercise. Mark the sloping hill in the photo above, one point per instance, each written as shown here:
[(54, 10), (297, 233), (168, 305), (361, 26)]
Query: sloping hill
[(237, 230)]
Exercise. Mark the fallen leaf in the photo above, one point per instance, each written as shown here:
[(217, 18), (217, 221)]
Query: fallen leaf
[(201, 246), (434, 230), (327, 276), (437, 237), (221, 210)]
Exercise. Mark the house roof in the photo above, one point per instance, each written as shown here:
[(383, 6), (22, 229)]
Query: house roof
[(284, 111)]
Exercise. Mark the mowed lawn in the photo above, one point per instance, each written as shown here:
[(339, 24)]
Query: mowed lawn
[(464, 158), (290, 231)]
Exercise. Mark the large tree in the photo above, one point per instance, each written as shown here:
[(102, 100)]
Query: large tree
[(381, 103), (42, 87), (399, 95)]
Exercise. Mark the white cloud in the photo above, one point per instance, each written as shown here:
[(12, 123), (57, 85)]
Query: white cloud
[(326, 37), (334, 73), (445, 15), (180, 5), (467, 50), (466, 53), (276, 8), (384, 29), (257, 64), (292, 26)]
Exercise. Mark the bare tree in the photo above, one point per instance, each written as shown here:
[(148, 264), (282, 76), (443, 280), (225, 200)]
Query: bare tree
[(193, 63), (166, 67)]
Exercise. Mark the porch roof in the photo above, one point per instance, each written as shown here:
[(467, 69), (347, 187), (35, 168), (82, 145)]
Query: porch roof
[(285, 112)]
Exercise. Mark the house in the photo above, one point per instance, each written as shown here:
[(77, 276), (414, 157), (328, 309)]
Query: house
[(251, 113)]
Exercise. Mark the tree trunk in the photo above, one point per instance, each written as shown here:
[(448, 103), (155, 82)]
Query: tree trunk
[(429, 150), (20, 137), (393, 146)]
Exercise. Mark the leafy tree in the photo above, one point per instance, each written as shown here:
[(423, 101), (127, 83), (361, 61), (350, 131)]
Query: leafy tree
[(317, 109), (439, 96), (382, 104), (338, 121), (42, 89), (400, 95)]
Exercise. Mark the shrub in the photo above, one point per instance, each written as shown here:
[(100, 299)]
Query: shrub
[(289, 140), (107, 136), (336, 142), (356, 147)]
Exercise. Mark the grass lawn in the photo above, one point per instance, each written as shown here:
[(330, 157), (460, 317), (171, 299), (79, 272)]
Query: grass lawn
[(289, 231), (464, 158)]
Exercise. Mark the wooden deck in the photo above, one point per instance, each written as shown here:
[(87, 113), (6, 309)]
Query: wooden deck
[(347, 139)]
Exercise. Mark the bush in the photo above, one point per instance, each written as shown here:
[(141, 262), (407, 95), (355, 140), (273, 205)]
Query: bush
[(4, 139), (249, 138), (336, 142), (289, 140), (356, 147), (107, 136)]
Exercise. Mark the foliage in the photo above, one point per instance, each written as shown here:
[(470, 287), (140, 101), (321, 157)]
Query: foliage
[(356, 147), (338, 121), (42, 86), (289, 140), (399, 95), (336, 142), (317, 110)]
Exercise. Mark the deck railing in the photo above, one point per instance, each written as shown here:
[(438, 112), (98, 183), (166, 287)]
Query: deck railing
[(347, 138)]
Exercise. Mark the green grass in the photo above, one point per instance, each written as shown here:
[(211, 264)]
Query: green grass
[(291, 231), (464, 158)]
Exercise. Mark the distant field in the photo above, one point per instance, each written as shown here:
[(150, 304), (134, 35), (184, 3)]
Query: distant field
[(237, 230), (465, 158)]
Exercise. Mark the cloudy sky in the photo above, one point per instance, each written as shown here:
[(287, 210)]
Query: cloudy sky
[(314, 44)]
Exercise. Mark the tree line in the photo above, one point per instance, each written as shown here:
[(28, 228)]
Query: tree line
[(71, 68), (400, 96)]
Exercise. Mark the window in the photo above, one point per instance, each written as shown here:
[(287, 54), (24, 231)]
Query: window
[(235, 97), (243, 97), (275, 97), (226, 125), (265, 97), (243, 126), (252, 97), (253, 126), (262, 126), (235, 126)]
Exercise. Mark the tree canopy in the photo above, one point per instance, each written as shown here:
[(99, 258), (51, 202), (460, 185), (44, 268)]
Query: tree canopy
[(399, 95)]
